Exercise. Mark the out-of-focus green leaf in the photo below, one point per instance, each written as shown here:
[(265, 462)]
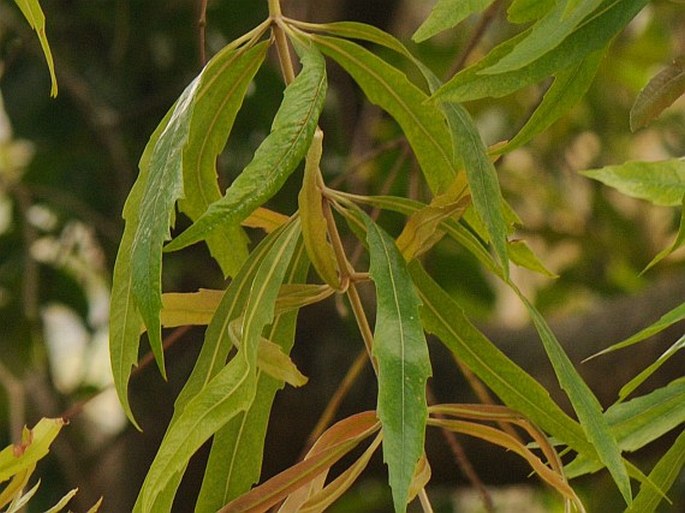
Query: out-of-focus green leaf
[(659, 93), (663, 475), (124, 317), (232, 389), (661, 183), (639, 421), (224, 83), (34, 15), (447, 14), (629, 387), (387, 87), (34, 445), (589, 37), (314, 226), (568, 88), (277, 156), (677, 243), (547, 34), (523, 11), (400, 349), (584, 402)]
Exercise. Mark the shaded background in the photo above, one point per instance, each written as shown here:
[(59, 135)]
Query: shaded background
[(67, 166)]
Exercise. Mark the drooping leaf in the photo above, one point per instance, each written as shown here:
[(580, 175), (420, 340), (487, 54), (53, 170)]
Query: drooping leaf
[(589, 37), (34, 446), (447, 14), (659, 93), (663, 475), (34, 15), (190, 308), (314, 226), (387, 87), (225, 80), (277, 156), (401, 352), (569, 86), (343, 437), (233, 388), (523, 11), (662, 183), (546, 34), (640, 421), (630, 387), (676, 244)]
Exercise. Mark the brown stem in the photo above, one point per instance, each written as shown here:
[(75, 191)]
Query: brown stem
[(202, 32)]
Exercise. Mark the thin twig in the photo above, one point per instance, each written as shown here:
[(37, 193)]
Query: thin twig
[(425, 502), (202, 32)]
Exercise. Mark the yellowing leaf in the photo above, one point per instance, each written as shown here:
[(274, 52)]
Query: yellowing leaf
[(35, 444), (267, 220), (194, 308)]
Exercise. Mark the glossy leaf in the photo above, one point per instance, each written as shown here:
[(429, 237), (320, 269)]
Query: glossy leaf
[(232, 389), (314, 226), (34, 445), (546, 34), (589, 37), (447, 14), (663, 475), (659, 93), (640, 421), (34, 15), (661, 183), (387, 87), (569, 86), (401, 352), (225, 80), (277, 156)]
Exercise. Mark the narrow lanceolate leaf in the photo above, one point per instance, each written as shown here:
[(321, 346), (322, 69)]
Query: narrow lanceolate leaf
[(233, 388), (400, 349), (387, 87), (225, 80), (659, 93), (34, 15), (124, 317), (447, 14), (568, 88), (277, 156), (314, 226), (482, 178), (662, 183), (547, 34), (235, 460), (163, 187), (584, 402), (639, 421), (34, 445), (676, 244), (663, 475), (591, 36)]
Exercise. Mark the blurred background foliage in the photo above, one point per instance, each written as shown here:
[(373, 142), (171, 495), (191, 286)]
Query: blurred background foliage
[(66, 166)]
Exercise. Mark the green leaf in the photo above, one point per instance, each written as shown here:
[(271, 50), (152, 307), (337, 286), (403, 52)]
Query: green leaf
[(659, 93), (663, 475), (630, 387), (662, 183), (314, 226), (275, 159), (386, 86), (523, 11), (225, 80), (547, 34), (568, 88), (62, 502), (584, 402), (677, 243), (591, 36), (638, 422), (232, 389), (482, 178), (235, 459), (447, 14), (34, 446), (34, 15), (400, 349)]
